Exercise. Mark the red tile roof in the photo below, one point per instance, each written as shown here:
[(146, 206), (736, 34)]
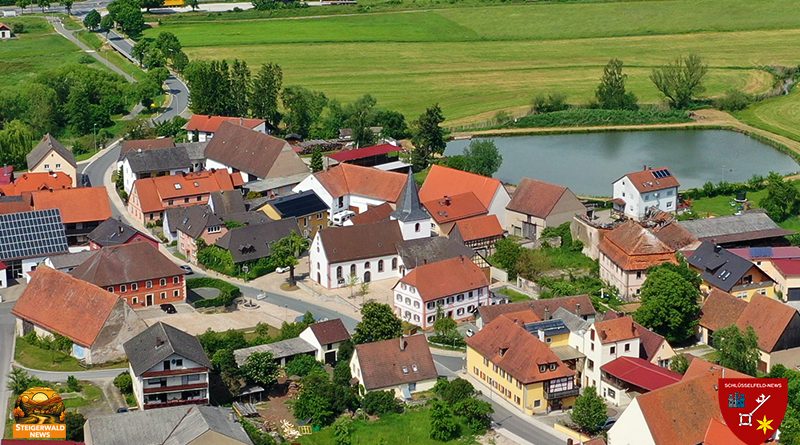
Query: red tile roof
[(6, 173), (580, 305), (536, 198), (452, 208), (639, 372), (649, 342), (366, 152), (518, 352), (787, 267), (769, 318), (373, 215), (210, 124), (445, 278), (85, 204), (383, 363), (29, 182), (126, 263), (152, 191), (78, 310), (616, 329), (721, 310), (479, 227), (646, 181), (445, 181), (522, 316), (330, 331), (632, 247), (349, 179), (719, 434)]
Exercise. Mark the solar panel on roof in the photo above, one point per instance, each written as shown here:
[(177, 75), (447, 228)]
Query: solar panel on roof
[(760, 252), (31, 234), (661, 174)]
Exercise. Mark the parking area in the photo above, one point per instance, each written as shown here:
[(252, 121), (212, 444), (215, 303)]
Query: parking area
[(195, 323)]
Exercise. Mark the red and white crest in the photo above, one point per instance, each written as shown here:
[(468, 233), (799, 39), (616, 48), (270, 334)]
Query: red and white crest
[(753, 409)]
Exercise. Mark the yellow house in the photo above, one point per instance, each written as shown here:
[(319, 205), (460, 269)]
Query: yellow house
[(515, 364), (173, 3), (310, 211), (50, 155), (722, 269)]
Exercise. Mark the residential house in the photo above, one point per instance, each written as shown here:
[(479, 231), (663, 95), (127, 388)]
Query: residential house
[(355, 188), (626, 377), (66, 262), (728, 272), (150, 197), (373, 214), (30, 182), (138, 273), (652, 347), (267, 165), (185, 425), (5, 32), (635, 194), (152, 163), (720, 310), (443, 181), (282, 351), (580, 305), (537, 205), (82, 209), (254, 241), (168, 367), (518, 366), (452, 288), (382, 156), (135, 145), (448, 210), (201, 127), (306, 207), (421, 251), (326, 337), (678, 414), (49, 155), (626, 252), (403, 365), (201, 222), (776, 324), (571, 354), (27, 239), (113, 232), (480, 233), (786, 273), (97, 322), (767, 259), (750, 229), (605, 341)]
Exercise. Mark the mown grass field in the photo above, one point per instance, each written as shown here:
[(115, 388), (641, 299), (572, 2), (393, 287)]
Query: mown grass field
[(478, 60), (780, 115)]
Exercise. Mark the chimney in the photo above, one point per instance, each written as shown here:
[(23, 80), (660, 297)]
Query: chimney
[(402, 343), (159, 342), (644, 167), (577, 308), (447, 200), (546, 313), (121, 229), (717, 248)]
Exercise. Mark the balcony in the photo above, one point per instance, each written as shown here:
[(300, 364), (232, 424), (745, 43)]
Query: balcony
[(173, 372), (551, 395), (175, 388), (176, 403)]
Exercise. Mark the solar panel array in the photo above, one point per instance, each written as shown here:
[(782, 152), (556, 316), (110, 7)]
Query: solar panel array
[(554, 324), (31, 234), (760, 252), (661, 174)]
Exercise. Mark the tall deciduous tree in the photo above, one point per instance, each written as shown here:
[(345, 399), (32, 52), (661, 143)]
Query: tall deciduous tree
[(303, 108), (680, 81), (266, 91), (261, 369), (22, 4), (482, 157), (443, 423), (669, 305), (106, 24), (378, 322), (360, 120), (589, 412), (44, 4), (429, 137), (738, 350), (128, 15), (16, 139), (149, 4), (679, 364), (92, 19), (239, 88), (611, 92), (286, 250), (67, 4), (782, 199)]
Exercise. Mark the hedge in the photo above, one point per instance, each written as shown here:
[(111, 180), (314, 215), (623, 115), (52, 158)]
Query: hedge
[(227, 291), (589, 117)]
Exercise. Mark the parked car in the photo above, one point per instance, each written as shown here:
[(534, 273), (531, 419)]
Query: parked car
[(470, 332), (168, 308), (187, 269), (122, 409), (282, 269), (339, 218), (608, 424)]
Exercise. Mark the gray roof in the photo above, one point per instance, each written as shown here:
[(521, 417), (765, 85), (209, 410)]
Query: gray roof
[(177, 425), (142, 161), (298, 204), (727, 229), (226, 202), (196, 151), (194, 220), (719, 267), (112, 232), (430, 250), (44, 146), (70, 260), (253, 242), (280, 349), (158, 342), (408, 207), (35, 234), (573, 322)]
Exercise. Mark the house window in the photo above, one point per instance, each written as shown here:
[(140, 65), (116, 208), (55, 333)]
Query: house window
[(627, 347), (638, 274), (590, 364), (430, 305), (613, 349), (352, 269), (110, 288), (148, 284), (134, 286), (431, 318), (199, 198), (537, 403), (611, 393), (176, 280), (380, 265), (669, 204), (178, 362), (469, 295), (366, 265), (341, 201), (338, 272), (399, 297), (176, 293), (460, 311), (591, 334), (186, 200), (460, 297), (135, 300), (214, 229), (169, 202), (591, 346), (416, 304), (162, 282), (517, 400), (408, 301), (394, 263), (485, 362), (58, 165), (46, 165), (123, 288), (416, 227), (416, 318), (163, 295)]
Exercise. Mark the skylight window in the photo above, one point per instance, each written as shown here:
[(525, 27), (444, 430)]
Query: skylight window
[(405, 370), (177, 186)]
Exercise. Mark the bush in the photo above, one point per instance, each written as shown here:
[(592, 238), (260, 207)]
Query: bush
[(551, 102), (302, 365), (380, 403), (227, 291), (733, 100), (85, 59), (584, 117), (73, 385), (124, 383), (454, 392), (17, 28), (220, 260)]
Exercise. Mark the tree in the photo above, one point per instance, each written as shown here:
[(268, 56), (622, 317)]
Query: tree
[(74, 422), (341, 373), (681, 81), (679, 364), (194, 4), (106, 24), (506, 254), (443, 423), (286, 250), (589, 412), (444, 325), (73, 385), (531, 264), (380, 403), (781, 200), (476, 413), (316, 160), (261, 369), (123, 382), (454, 392), (669, 305), (44, 4), (429, 137), (128, 15), (378, 322), (303, 108), (67, 4), (482, 157), (360, 117), (681, 268), (393, 124), (738, 350), (16, 138), (239, 88), (266, 91), (92, 19), (18, 381), (342, 430), (303, 365), (22, 4), (322, 400), (148, 4), (611, 94)]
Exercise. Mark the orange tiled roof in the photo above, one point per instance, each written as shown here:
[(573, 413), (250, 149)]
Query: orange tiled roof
[(721, 310), (85, 204), (769, 318), (152, 191), (632, 247), (522, 316), (719, 434), (479, 227), (445, 181), (616, 329), (349, 179), (210, 124), (452, 208), (29, 182), (517, 352), (536, 198), (444, 278), (646, 181)]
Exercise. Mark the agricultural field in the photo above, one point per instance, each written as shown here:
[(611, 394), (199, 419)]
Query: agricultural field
[(780, 115), (478, 60)]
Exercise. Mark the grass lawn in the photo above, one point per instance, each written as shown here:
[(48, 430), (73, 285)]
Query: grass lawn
[(475, 60), (37, 358), (780, 115), (513, 295), (721, 206), (88, 395), (562, 259), (410, 428)]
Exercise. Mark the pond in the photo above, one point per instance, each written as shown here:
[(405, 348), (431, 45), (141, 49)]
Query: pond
[(589, 162)]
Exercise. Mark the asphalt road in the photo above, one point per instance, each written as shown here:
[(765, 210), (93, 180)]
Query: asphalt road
[(6, 346), (504, 418)]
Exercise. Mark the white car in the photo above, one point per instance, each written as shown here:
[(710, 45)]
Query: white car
[(281, 269)]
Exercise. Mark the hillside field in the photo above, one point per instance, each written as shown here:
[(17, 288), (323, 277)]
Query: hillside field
[(475, 61)]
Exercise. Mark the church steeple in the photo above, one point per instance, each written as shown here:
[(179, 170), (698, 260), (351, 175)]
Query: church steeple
[(408, 207)]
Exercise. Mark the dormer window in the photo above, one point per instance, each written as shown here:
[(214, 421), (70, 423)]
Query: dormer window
[(414, 367), (405, 370), (542, 368), (553, 366)]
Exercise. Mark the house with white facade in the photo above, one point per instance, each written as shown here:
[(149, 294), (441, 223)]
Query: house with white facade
[(151, 163), (443, 182), (453, 288), (326, 337), (168, 367), (5, 31), (603, 342), (651, 188), (353, 187), (202, 127), (403, 365)]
